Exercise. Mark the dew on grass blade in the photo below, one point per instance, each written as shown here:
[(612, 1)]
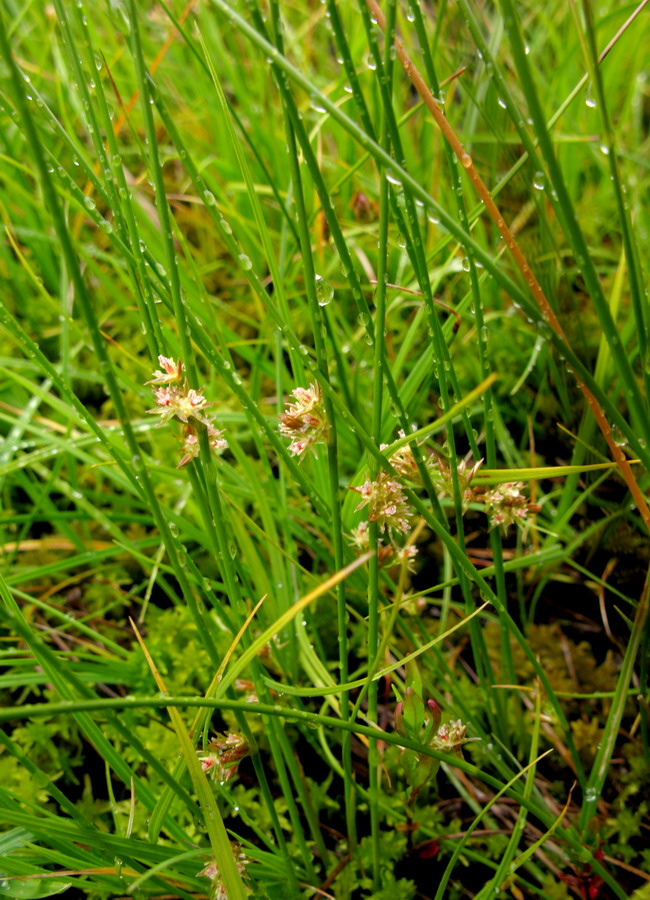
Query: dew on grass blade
[(324, 291)]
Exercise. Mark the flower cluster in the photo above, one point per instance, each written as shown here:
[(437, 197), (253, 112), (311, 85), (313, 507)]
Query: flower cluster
[(450, 737), (443, 478), (172, 372), (403, 462), (304, 421), (175, 399), (506, 505), (419, 721), (360, 538), (386, 502), (211, 871), (224, 753), (179, 402), (191, 448)]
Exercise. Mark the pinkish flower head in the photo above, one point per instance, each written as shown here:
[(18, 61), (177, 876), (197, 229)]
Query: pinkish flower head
[(403, 461), (211, 871), (506, 505), (443, 478), (224, 755), (386, 502), (450, 737), (305, 421), (406, 555), (181, 403), (171, 373), (191, 444), (360, 537)]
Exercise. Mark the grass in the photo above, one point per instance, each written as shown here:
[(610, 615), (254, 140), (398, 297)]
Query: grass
[(392, 640)]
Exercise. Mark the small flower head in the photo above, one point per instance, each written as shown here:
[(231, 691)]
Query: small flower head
[(444, 480), (247, 687), (223, 756), (450, 737), (416, 720), (360, 537), (404, 463), (364, 209), (181, 403), (304, 421), (506, 505), (211, 871), (387, 505), (191, 443), (406, 555), (171, 373)]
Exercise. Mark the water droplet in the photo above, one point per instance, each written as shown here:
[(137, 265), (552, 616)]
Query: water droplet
[(245, 261), (324, 291), (316, 104), (466, 160), (538, 181)]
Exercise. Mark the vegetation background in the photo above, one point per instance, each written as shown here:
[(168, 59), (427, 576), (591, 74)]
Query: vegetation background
[(430, 222)]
